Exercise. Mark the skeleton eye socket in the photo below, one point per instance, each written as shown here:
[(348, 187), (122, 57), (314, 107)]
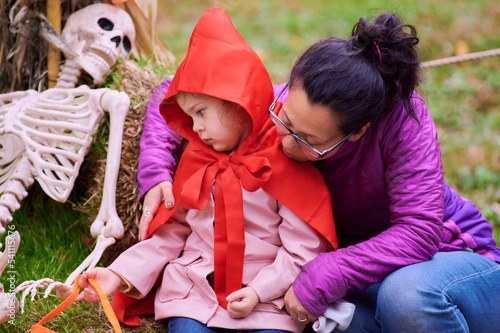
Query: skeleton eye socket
[(105, 24), (127, 45)]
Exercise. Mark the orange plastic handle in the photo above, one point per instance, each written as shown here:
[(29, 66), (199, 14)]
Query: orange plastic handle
[(38, 328)]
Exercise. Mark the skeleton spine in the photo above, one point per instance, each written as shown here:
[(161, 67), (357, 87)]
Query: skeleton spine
[(68, 77)]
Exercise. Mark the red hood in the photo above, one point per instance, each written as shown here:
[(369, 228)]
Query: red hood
[(219, 63)]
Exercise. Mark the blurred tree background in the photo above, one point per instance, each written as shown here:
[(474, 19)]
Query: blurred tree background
[(463, 99)]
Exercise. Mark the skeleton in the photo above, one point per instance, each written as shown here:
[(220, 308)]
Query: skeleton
[(45, 135)]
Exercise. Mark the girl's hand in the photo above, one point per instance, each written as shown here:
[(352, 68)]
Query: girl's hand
[(107, 280), (152, 200), (241, 302), (295, 308)]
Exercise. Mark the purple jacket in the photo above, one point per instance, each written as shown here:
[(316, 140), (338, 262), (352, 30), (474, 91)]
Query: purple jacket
[(392, 207), (158, 145)]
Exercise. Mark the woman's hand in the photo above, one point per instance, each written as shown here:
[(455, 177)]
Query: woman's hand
[(295, 309), (107, 280), (241, 302), (152, 200)]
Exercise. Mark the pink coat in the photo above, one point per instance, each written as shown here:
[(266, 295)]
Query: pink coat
[(278, 243)]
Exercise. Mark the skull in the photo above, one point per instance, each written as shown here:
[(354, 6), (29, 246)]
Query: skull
[(99, 34)]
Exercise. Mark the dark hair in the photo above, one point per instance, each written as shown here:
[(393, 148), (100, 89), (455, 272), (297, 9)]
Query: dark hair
[(364, 77)]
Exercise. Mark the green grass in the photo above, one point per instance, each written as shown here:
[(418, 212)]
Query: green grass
[(463, 100), (52, 242)]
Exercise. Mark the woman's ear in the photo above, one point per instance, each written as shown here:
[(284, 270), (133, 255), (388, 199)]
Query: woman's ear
[(356, 136)]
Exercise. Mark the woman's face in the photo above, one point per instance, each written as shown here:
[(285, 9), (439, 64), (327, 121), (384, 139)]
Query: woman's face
[(312, 123)]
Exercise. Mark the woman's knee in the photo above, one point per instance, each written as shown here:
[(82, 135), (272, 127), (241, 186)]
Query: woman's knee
[(395, 297), (435, 294), (406, 291)]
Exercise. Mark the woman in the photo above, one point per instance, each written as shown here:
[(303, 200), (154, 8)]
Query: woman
[(414, 256)]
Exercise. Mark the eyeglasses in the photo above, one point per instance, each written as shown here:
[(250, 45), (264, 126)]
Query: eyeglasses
[(275, 108)]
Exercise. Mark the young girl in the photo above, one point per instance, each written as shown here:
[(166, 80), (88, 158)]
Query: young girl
[(247, 217)]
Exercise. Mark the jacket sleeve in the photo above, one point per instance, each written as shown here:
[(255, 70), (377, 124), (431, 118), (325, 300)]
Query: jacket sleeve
[(414, 184), (141, 264), (300, 244), (158, 145)]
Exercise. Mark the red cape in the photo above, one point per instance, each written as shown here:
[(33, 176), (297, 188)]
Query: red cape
[(220, 63)]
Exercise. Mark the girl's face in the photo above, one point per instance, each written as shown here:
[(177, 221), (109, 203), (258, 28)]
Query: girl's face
[(219, 126), (312, 123)]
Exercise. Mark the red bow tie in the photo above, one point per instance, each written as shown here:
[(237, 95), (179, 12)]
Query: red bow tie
[(230, 172)]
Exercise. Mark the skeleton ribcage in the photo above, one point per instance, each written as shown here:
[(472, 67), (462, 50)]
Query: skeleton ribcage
[(56, 127)]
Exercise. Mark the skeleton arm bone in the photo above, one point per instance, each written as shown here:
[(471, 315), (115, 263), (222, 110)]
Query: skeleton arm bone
[(108, 225), (117, 104)]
